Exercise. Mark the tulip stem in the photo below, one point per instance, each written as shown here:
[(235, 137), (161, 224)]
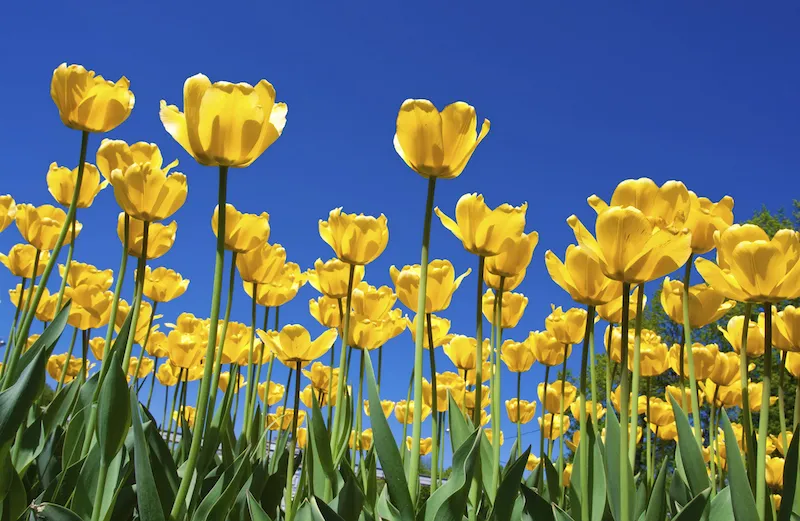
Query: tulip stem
[(747, 419), (332, 361), (434, 406), (137, 299), (179, 504), (340, 384), (250, 367), (380, 366), (67, 360), (11, 336), (712, 427), (495, 384), (681, 376), (70, 251), (637, 371), (222, 337), (289, 510), (519, 425), (358, 411), (135, 378), (624, 399), (405, 419), (416, 429), (250, 413), (152, 383), (687, 332), (763, 418), (584, 459), (27, 306), (543, 401), (646, 430), (169, 419), (781, 410), (561, 430), (479, 344), (609, 371), (592, 371), (796, 417)]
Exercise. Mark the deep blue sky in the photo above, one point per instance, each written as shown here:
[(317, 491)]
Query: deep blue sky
[(580, 97)]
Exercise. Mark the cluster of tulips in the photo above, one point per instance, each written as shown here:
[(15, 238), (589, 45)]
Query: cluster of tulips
[(96, 452)]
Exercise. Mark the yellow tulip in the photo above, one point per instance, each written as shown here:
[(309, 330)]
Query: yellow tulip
[(725, 370), (567, 475), (779, 338), (148, 192), (612, 311), (440, 328), (515, 256), (726, 395), (773, 472), (140, 329), (371, 302), (654, 355), (509, 283), (188, 413), (437, 144), (8, 211), (461, 351), (225, 124), (751, 267), (581, 276), (793, 363), (243, 231), (522, 414), (320, 375), (365, 441), (705, 360), (46, 310), (776, 501), (20, 260), (425, 445), (641, 401), (281, 290), (98, 347), (447, 382), (30, 341), (706, 305), (275, 394), (483, 231), (261, 265), (546, 349), (667, 206), (61, 184), (733, 334), (593, 411), (325, 310), (514, 305), (533, 462), (778, 442), (141, 366), (157, 345), (307, 397), (550, 427), (661, 412), (81, 274), (41, 225), (789, 326), (518, 356), (705, 218), (442, 283), (187, 341), (756, 390), (56, 364), (675, 392), (330, 277), (667, 432), (552, 401), (630, 248), (387, 406), (488, 434), (470, 375), (18, 297), (567, 327), (356, 239), (91, 307), (236, 345), (167, 374), (159, 240), (404, 411), (293, 345), (369, 334), (90, 103), (163, 285), (115, 154)]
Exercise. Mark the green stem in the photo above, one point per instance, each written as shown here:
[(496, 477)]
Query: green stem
[(763, 418), (624, 399), (405, 420), (584, 460), (137, 299), (67, 360), (202, 404), (796, 417), (28, 301), (222, 337), (479, 344), (287, 498), (70, 251), (687, 332), (712, 421), (646, 431), (11, 336), (330, 375), (252, 392), (135, 378), (747, 418), (541, 428), (519, 425), (358, 410), (170, 419), (102, 475), (592, 364), (561, 408), (781, 410), (609, 366), (435, 406), (152, 383), (380, 366), (416, 430), (498, 327), (637, 371), (340, 384), (250, 367), (681, 376)]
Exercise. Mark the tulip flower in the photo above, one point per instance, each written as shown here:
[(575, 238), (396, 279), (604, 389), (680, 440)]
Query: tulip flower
[(81, 274), (550, 427), (369, 334), (612, 311), (442, 283), (522, 414), (483, 231), (325, 310), (281, 290), (88, 102), (509, 283), (41, 225), (488, 434), (462, 351), (142, 325), (293, 345), (275, 394), (188, 413), (654, 355), (725, 370), (261, 265), (91, 307), (778, 330), (706, 305), (61, 184), (666, 206), (515, 257), (320, 375), (283, 418), (705, 218), (8, 211), (56, 365), (372, 303), (46, 310), (98, 347), (660, 412), (437, 144), (518, 356), (470, 375), (330, 277), (793, 363), (425, 445), (778, 441), (679, 396), (447, 382), (387, 406), (356, 239), (552, 401), (774, 472), (163, 285), (756, 391), (21, 258), (167, 374), (733, 334), (157, 345), (365, 440), (705, 360), (593, 411), (533, 462), (567, 327), (404, 411), (140, 367), (641, 401), (147, 192), (581, 276), (307, 397), (513, 307), (243, 231), (225, 124), (115, 154), (546, 349), (186, 341), (159, 241)]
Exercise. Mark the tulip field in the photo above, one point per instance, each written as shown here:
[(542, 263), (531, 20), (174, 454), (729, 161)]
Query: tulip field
[(82, 437)]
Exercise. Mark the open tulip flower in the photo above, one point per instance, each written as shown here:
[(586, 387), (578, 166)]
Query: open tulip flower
[(46, 310), (595, 411), (148, 192), (261, 265), (515, 257), (293, 345), (667, 206), (404, 411), (371, 302), (567, 327), (321, 375), (81, 274), (281, 290), (581, 276), (553, 400), (706, 305), (163, 284), (705, 361), (654, 355), (733, 334), (88, 102), (61, 184), (369, 334), (56, 365), (437, 144), (387, 406), (41, 225), (425, 445), (513, 308), (461, 351), (706, 218), (725, 370), (481, 230), (546, 349), (509, 283), (142, 324), (357, 239), (187, 341), (612, 311), (243, 231), (20, 260), (8, 211), (440, 328), (518, 356), (788, 325), (17, 295), (330, 277), (442, 283), (325, 310), (522, 414), (275, 394), (159, 241), (550, 427), (446, 383), (140, 367), (91, 307)]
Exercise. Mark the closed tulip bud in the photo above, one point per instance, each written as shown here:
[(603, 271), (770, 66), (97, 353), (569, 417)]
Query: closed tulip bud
[(8, 211), (462, 351), (88, 102), (261, 265), (567, 327), (61, 184), (81, 274), (167, 374), (654, 358), (483, 231), (20, 260), (293, 345), (321, 375), (387, 406), (365, 440), (91, 307), (163, 285), (142, 323), (157, 344), (612, 311), (533, 462), (442, 283), (675, 392), (581, 276), (515, 257), (773, 472), (56, 365), (404, 411), (41, 225), (425, 445), (159, 240), (518, 356), (575, 442), (522, 412), (789, 325), (488, 434), (302, 437), (776, 501), (706, 218), (225, 124), (705, 360), (355, 238), (751, 267), (243, 231), (437, 144), (281, 290), (567, 475), (593, 411), (668, 432), (551, 429), (325, 310), (513, 307), (733, 334), (660, 412), (509, 283), (275, 394), (546, 349), (371, 302), (331, 277), (552, 401), (140, 366), (485, 418), (98, 347), (725, 370), (706, 305)]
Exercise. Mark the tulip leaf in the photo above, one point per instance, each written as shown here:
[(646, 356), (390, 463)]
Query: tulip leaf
[(509, 488), (744, 505), (657, 506), (613, 472), (389, 456), (18, 398), (220, 498), (721, 508), (113, 412), (256, 512), (15, 502), (692, 461), (164, 471), (789, 478), (53, 512), (449, 502), (272, 494), (149, 503), (46, 342), (320, 444), (460, 427), (536, 508), (350, 499), (694, 510), (62, 405), (560, 515)]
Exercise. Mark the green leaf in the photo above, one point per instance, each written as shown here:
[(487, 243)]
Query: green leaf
[(51, 512), (164, 471), (613, 472), (149, 504), (45, 343), (551, 480), (256, 512), (657, 506), (30, 446), (694, 510), (350, 499), (18, 399), (386, 447), (272, 494), (790, 478), (449, 502), (509, 488), (15, 502), (536, 507), (744, 505), (73, 437), (323, 511), (220, 498), (560, 515), (113, 412), (61, 407), (721, 508), (592, 449), (692, 462), (321, 449)]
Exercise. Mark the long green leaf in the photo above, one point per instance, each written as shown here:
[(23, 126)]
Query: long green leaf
[(52, 512), (613, 472), (657, 506), (61, 407), (350, 499), (149, 504), (46, 342), (219, 500), (692, 461), (113, 412), (790, 478), (256, 512), (321, 448), (449, 502), (721, 508), (744, 505), (509, 488), (536, 507), (694, 510), (18, 399)]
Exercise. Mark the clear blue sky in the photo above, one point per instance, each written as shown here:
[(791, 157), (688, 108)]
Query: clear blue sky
[(580, 97)]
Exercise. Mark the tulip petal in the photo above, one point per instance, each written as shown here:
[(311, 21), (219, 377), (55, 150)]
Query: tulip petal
[(458, 131), (448, 223), (758, 267), (419, 138), (174, 122), (719, 279)]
